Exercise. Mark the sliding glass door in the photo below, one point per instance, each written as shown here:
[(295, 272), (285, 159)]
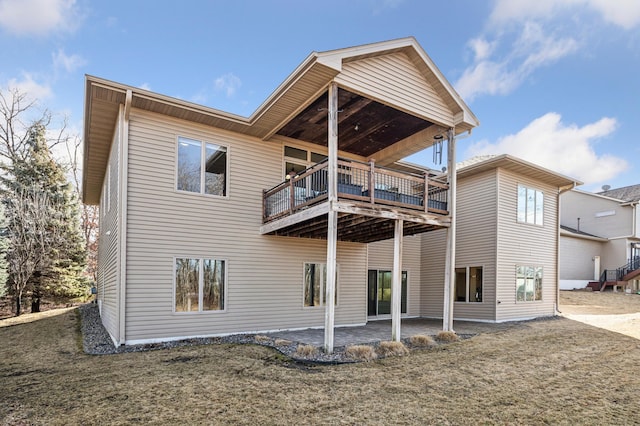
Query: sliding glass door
[(379, 293)]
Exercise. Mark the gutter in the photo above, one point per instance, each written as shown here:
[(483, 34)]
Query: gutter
[(561, 190), (123, 161)]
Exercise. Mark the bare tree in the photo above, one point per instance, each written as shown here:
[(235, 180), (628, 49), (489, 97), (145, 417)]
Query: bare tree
[(89, 214), (29, 238)]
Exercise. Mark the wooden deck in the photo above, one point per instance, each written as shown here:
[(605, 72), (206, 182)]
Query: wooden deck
[(369, 200)]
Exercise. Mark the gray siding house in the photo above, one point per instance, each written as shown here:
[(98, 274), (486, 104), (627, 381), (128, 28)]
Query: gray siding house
[(301, 215), (600, 238)]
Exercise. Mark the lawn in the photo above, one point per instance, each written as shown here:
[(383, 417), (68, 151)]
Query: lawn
[(557, 371)]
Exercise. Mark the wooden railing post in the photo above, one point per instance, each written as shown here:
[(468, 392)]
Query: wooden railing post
[(292, 195), (426, 192), (372, 180)]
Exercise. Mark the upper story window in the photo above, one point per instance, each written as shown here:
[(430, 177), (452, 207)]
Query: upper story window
[(530, 205), (297, 159), (202, 167)]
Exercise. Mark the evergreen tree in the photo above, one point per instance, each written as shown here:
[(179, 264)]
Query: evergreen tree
[(43, 205)]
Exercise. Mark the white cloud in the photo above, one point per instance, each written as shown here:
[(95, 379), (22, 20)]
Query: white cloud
[(622, 13), (28, 86), (567, 149), (532, 49), (380, 6), (145, 86), (228, 83), (38, 17), (68, 63)]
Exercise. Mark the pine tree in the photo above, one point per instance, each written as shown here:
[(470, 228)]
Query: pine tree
[(44, 227)]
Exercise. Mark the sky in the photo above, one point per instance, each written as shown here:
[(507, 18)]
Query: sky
[(554, 82)]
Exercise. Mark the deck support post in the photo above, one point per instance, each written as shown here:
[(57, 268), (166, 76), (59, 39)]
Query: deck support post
[(396, 282), (332, 226), (450, 262)]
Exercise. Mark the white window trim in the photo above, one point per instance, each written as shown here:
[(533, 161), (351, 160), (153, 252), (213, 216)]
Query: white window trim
[(201, 285), (541, 284), (203, 144), (467, 278), (534, 223), (323, 291)]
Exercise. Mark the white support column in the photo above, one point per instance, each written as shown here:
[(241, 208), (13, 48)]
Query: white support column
[(332, 226), (396, 282), (450, 263)]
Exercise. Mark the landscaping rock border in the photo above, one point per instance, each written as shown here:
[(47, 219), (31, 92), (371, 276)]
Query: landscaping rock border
[(96, 341)]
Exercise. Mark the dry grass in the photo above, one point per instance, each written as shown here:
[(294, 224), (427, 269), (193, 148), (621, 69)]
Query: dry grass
[(306, 351), (262, 339), (386, 349), (422, 341), (361, 353), (447, 336), (282, 342), (541, 372), (594, 302)]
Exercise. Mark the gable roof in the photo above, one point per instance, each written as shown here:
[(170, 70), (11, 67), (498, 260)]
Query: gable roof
[(480, 164), (304, 86), (628, 193)]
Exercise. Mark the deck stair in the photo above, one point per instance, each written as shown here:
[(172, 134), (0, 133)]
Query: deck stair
[(617, 277)]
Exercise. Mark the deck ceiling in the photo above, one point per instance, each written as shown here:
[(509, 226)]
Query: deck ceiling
[(364, 125), (352, 228)]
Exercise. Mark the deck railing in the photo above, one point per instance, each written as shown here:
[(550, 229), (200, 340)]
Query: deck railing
[(356, 181)]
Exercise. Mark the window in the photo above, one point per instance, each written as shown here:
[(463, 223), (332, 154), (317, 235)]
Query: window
[(199, 285), (530, 205), (298, 160), (469, 284), (202, 167), (528, 283), (315, 280)]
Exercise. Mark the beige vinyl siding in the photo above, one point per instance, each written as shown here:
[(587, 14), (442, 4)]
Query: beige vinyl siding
[(433, 252), (476, 240), (109, 244), (381, 258), (576, 204), (521, 244), (264, 273), (393, 79), (576, 258), (475, 246), (616, 254)]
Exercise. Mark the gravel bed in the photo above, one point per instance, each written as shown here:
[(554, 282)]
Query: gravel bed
[(96, 341)]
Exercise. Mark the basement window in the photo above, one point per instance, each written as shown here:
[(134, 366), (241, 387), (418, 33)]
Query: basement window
[(469, 284), (315, 281), (199, 284), (528, 283)]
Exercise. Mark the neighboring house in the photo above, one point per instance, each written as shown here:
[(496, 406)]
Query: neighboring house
[(600, 237), (212, 223)]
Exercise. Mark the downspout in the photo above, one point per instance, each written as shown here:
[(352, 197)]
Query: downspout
[(561, 191), (122, 213)]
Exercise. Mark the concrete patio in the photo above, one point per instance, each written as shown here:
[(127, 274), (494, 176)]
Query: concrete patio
[(380, 330)]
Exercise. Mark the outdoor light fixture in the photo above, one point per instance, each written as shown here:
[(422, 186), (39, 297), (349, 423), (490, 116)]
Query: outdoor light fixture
[(357, 127), (291, 174)]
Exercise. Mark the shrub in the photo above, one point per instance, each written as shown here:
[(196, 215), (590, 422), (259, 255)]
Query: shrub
[(392, 349), (422, 341), (306, 351), (361, 353), (447, 336), (262, 339)]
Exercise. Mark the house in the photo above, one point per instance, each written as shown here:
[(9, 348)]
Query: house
[(506, 263), (600, 238), (301, 215)]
